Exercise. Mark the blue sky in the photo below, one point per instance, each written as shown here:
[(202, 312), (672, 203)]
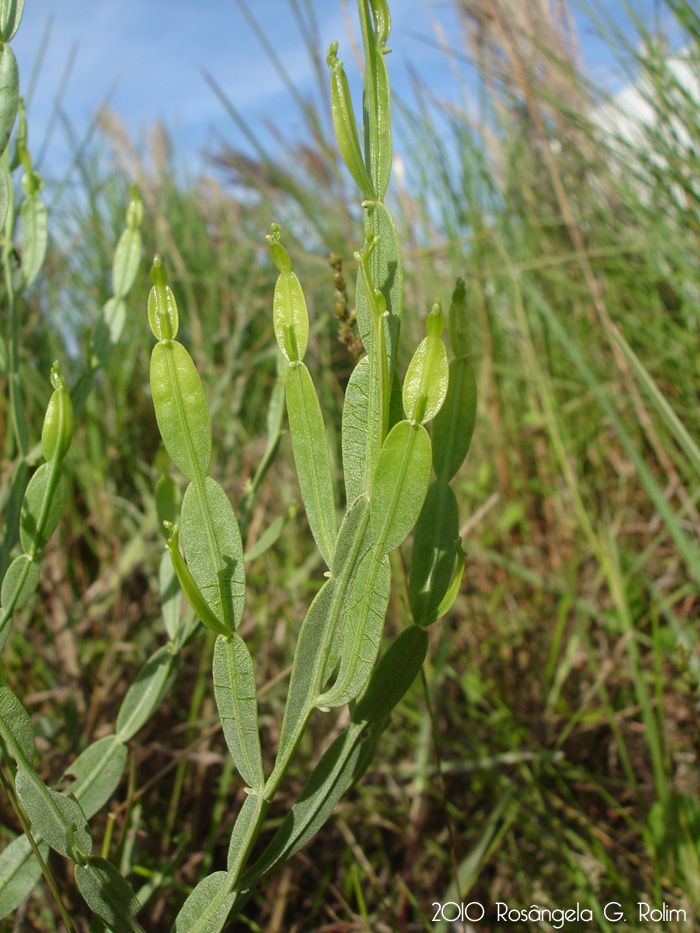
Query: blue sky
[(150, 54)]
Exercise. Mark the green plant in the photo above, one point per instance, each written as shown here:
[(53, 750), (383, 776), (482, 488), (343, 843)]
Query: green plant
[(387, 458), (387, 461)]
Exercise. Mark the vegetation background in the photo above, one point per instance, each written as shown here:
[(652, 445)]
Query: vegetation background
[(550, 755)]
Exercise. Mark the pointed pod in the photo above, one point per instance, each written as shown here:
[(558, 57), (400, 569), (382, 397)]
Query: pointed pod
[(376, 95), (290, 316), (57, 432), (427, 377), (163, 315), (10, 18), (345, 125)]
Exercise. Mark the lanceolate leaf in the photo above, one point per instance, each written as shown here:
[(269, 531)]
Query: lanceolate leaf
[(364, 623), (396, 671), (181, 409), (311, 457), (214, 550), (97, 772), (236, 699), (58, 817), (454, 424), (108, 895), (21, 580), (35, 234), (355, 426), (339, 766), (9, 93), (399, 485), (42, 507), (19, 872), (433, 553), (144, 695), (330, 779), (16, 727), (207, 907)]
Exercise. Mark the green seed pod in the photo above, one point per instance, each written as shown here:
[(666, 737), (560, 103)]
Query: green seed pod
[(290, 317), (134, 212), (279, 254), (382, 20), (459, 321), (427, 378), (57, 433), (163, 315), (345, 125), (10, 18)]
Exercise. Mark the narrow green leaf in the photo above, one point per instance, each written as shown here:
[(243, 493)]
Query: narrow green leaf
[(19, 872), (207, 907), (181, 408), (42, 507), (270, 536), (237, 702), (307, 670), (145, 694), (399, 485), (392, 677), (312, 457), (168, 498), (454, 424), (16, 727), (353, 541), (58, 817), (9, 93), (433, 552), (21, 580), (328, 782), (4, 201), (34, 219), (364, 623), (252, 812), (97, 772), (355, 426), (170, 595), (342, 763), (108, 895), (386, 273), (10, 18), (214, 550), (107, 332), (127, 258)]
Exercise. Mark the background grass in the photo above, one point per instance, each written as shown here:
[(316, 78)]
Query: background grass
[(550, 755)]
